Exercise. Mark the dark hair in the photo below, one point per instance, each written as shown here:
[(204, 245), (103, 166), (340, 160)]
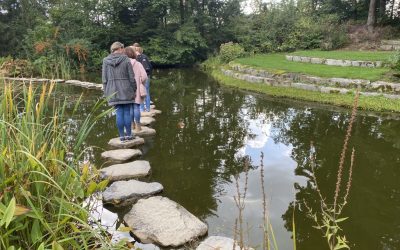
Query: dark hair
[(130, 52)]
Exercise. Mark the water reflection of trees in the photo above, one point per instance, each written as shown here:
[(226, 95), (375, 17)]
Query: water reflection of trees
[(215, 131), (195, 160), (375, 180)]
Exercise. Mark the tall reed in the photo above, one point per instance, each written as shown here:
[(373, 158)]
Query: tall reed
[(269, 240), (328, 216), (41, 194)]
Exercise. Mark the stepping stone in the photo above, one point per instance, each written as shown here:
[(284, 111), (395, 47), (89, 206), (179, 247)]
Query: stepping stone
[(152, 113), (145, 131), (122, 193), (156, 111), (164, 222), (147, 120), (147, 114), (121, 154), (218, 242), (117, 143), (125, 171)]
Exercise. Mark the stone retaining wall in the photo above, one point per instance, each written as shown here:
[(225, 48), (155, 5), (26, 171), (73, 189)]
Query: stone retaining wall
[(335, 62), (256, 75), (390, 45)]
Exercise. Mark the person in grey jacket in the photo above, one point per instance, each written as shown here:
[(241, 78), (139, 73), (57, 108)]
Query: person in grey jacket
[(119, 88)]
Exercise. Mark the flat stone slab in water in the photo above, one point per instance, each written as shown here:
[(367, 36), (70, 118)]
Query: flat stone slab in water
[(117, 143), (156, 111), (125, 171), (152, 113), (164, 222), (218, 242), (121, 154), (122, 193), (146, 131), (147, 120), (147, 114)]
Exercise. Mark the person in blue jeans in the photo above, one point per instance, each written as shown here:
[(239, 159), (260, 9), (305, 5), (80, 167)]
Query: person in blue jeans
[(145, 61), (119, 88)]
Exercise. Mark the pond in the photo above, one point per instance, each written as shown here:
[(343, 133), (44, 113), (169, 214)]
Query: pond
[(206, 133)]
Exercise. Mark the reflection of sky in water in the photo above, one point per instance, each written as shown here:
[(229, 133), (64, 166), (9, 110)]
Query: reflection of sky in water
[(279, 180)]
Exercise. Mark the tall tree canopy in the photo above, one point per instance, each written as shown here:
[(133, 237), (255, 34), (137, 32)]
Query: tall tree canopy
[(178, 31)]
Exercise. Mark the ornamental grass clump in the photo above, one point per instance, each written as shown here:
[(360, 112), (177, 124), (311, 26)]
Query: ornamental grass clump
[(41, 194)]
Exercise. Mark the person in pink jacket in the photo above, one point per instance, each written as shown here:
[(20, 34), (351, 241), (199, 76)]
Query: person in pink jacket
[(140, 78)]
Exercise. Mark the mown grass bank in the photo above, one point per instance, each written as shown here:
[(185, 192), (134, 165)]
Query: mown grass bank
[(343, 100), (347, 55), (277, 63)]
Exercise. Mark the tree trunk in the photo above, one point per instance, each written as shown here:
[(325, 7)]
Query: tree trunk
[(392, 8), (382, 8), (182, 10), (371, 15), (354, 2)]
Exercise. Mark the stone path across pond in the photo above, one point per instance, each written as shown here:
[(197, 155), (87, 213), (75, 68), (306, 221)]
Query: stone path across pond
[(121, 155), (220, 243), (147, 120), (164, 222), (117, 143), (130, 170), (145, 131), (123, 193)]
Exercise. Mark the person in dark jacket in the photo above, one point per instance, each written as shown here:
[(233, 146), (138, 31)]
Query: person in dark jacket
[(119, 88)]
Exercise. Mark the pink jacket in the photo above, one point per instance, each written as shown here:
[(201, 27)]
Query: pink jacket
[(140, 78)]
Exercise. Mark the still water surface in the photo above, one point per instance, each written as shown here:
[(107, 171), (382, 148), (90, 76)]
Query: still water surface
[(196, 163)]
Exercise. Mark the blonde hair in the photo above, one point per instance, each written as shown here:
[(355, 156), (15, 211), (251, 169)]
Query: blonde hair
[(116, 46), (139, 49)]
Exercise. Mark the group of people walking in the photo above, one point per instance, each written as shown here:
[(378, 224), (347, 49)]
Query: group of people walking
[(126, 83)]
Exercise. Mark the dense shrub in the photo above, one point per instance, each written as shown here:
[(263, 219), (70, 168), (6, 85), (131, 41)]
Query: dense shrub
[(15, 67), (230, 51), (334, 33)]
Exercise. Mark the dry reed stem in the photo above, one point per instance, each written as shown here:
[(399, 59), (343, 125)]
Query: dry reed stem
[(235, 232), (312, 163), (265, 228), (239, 201), (350, 178), (343, 154)]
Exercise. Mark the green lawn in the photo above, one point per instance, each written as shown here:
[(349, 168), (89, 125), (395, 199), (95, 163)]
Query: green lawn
[(347, 55), (278, 63), (376, 103)]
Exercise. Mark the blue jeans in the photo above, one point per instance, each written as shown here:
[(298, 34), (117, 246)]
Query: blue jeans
[(124, 120), (147, 98), (135, 113)]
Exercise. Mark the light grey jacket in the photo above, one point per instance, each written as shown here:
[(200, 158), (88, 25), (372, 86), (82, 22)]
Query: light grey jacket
[(118, 79)]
